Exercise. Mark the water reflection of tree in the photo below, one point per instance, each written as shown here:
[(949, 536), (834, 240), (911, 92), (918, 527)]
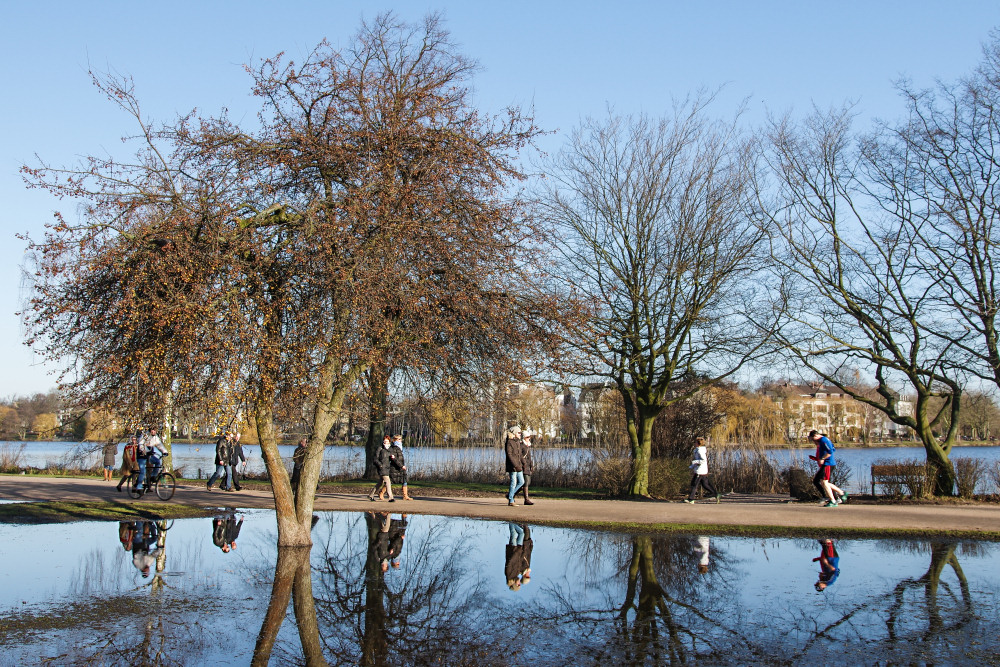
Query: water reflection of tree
[(917, 618), (292, 580), (433, 609), (668, 613)]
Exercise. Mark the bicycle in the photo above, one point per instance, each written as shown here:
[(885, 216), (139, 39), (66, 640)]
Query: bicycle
[(162, 482)]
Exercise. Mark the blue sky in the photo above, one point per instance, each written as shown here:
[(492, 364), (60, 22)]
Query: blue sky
[(568, 59)]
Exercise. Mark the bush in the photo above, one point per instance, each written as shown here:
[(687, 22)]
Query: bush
[(995, 474), (911, 477), (668, 477), (10, 457), (968, 474), (744, 469)]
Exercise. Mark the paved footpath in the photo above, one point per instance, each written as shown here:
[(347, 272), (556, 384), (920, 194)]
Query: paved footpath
[(734, 510)]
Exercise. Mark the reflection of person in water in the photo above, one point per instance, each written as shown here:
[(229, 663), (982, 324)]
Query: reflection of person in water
[(144, 548), (386, 544), (702, 551), (829, 565), (225, 530), (517, 568), (396, 536)]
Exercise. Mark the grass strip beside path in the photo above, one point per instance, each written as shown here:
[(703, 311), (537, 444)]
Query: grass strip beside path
[(66, 512)]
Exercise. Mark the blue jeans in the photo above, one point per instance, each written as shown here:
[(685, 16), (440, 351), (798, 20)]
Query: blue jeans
[(516, 482), (141, 461), (221, 471), (516, 535)]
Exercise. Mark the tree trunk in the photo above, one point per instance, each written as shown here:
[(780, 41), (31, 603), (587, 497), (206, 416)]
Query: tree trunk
[(378, 388), (640, 433), (291, 531)]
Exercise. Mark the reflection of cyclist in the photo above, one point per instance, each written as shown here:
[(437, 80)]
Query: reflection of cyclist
[(829, 565), (144, 549)]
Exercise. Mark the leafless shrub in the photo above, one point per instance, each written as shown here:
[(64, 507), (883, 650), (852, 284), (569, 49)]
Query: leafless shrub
[(11, 456), (900, 477), (668, 477), (745, 469), (968, 474), (995, 475)]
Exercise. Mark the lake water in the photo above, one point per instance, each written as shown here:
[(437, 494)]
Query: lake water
[(439, 590), (349, 460)]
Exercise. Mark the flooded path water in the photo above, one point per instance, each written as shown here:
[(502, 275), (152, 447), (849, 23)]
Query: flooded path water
[(389, 589)]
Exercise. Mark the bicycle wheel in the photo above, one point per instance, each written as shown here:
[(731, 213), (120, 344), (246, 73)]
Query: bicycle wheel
[(165, 486), (132, 491)]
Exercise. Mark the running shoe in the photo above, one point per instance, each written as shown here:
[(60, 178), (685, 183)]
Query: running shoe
[(843, 497), (689, 502), (830, 504)]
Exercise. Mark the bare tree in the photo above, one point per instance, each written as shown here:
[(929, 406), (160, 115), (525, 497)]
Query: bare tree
[(942, 166), (856, 294), (653, 240)]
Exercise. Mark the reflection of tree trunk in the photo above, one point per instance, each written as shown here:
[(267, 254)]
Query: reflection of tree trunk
[(291, 571), (305, 612), (942, 555), (374, 644), (652, 598)]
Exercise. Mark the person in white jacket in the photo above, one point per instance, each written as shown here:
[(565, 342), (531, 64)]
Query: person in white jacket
[(699, 472)]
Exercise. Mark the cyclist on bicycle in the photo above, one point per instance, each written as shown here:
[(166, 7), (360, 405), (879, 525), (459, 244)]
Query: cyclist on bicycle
[(148, 444)]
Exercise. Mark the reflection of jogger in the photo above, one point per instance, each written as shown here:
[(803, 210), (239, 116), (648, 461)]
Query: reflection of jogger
[(829, 565), (702, 550)]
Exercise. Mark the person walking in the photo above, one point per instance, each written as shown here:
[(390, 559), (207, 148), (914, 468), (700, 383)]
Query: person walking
[(529, 464), (513, 448), (236, 456), (400, 460), (383, 468), (223, 452), (825, 459), (110, 454), (130, 464), (699, 472), (398, 475)]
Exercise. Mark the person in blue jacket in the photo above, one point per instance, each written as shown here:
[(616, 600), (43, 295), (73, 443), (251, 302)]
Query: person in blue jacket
[(824, 457)]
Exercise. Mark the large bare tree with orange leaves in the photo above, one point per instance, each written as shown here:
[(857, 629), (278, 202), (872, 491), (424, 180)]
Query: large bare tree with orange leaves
[(370, 218)]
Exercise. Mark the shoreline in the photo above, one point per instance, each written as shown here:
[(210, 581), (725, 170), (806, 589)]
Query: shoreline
[(736, 514)]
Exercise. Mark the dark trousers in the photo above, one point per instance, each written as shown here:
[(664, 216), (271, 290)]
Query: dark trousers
[(234, 483), (705, 484)]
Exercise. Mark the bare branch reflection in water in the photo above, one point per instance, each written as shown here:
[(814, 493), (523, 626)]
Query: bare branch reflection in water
[(433, 608), (149, 627), (665, 604)]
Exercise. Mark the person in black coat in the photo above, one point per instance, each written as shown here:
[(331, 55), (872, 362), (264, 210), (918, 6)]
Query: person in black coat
[(529, 464), (513, 449), (236, 457), (383, 468)]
